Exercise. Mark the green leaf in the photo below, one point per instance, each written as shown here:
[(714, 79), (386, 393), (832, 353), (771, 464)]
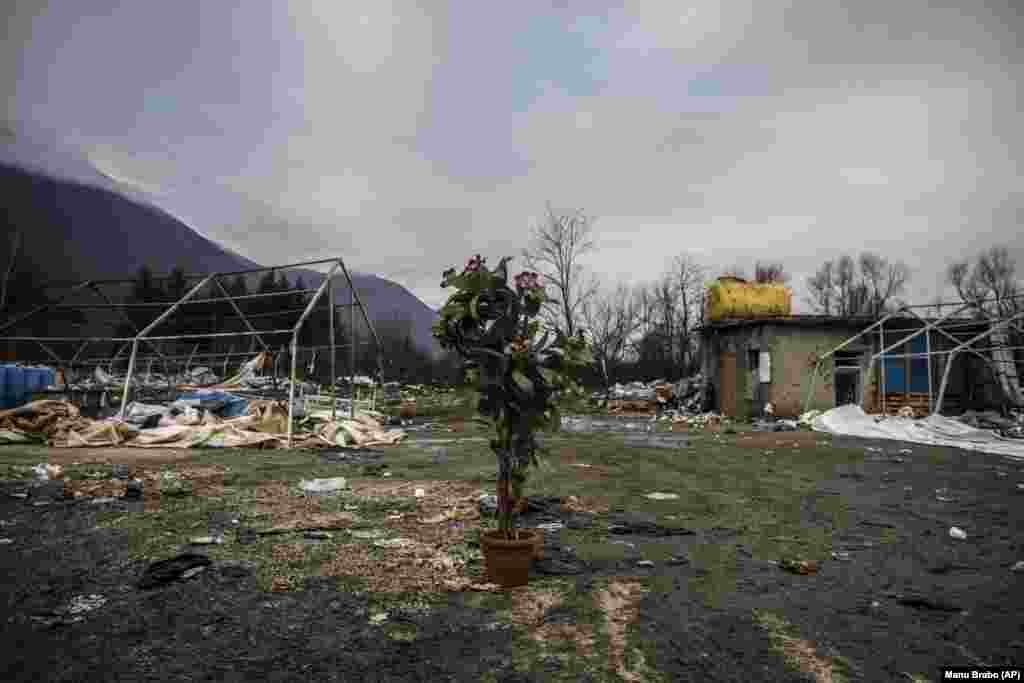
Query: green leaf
[(549, 375), (453, 309), (523, 382), (474, 307), (555, 419)]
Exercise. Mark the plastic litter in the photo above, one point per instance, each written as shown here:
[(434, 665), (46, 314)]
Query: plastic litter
[(45, 472), (799, 566), (207, 540), (1018, 568), (657, 495), (80, 604), (419, 493), (957, 533), (317, 486)]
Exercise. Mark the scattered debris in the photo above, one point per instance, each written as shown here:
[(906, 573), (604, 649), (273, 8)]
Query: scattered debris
[(321, 486), (166, 571), (488, 505), (207, 540), (645, 563), (6, 541), (662, 496), (134, 490), (189, 573), (799, 566), (841, 555), (957, 533), (1018, 567), (675, 561)]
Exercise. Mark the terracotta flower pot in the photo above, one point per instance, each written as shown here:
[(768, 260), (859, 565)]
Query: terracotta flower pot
[(508, 561)]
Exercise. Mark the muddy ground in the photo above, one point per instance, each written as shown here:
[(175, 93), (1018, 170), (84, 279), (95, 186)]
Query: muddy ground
[(908, 600)]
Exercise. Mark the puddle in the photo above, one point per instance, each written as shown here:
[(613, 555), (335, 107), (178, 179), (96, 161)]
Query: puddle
[(607, 423), (671, 442)]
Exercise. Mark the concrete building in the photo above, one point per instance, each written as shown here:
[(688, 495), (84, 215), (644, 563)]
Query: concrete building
[(750, 362)]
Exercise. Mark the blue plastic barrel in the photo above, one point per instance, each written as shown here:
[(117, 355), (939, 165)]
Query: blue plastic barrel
[(3, 387), (15, 386), (36, 379)]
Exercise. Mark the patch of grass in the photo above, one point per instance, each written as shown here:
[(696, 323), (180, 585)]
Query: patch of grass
[(716, 564), (799, 654), (16, 471)]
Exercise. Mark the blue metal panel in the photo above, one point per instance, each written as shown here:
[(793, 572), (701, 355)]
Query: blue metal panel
[(895, 375)]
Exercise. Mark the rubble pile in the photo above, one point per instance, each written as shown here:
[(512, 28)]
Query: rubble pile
[(1008, 427), (214, 420), (686, 395)]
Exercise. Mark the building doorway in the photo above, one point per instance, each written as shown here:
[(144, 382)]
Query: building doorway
[(847, 377), (847, 384)]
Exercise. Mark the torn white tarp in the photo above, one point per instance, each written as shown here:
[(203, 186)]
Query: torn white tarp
[(934, 430)]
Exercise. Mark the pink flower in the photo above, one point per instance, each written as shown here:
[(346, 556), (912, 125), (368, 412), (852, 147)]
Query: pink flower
[(527, 280)]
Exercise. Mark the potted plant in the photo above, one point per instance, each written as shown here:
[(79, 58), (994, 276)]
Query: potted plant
[(493, 327)]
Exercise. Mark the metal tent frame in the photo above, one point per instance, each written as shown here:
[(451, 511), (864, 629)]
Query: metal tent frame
[(940, 326), (214, 280)]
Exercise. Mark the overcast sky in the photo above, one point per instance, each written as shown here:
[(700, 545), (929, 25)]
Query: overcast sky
[(406, 138)]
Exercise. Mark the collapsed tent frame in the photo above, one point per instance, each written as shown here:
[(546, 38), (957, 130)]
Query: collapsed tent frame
[(326, 288), (928, 327)]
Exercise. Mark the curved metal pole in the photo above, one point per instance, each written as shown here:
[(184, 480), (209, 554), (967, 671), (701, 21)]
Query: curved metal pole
[(970, 342)]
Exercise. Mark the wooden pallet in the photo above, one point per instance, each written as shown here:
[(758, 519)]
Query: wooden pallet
[(919, 403)]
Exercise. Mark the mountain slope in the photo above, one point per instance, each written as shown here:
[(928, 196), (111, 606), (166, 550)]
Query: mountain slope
[(78, 224)]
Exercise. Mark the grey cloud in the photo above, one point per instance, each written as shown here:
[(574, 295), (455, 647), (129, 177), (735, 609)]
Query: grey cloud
[(406, 139)]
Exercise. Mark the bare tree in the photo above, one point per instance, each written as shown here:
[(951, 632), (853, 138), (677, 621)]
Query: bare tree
[(882, 279), (767, 272), (865, 286), (666, 297), (821, 288), (688, 276), (991, 286), (15, 248), (611, 319), (558, 244)]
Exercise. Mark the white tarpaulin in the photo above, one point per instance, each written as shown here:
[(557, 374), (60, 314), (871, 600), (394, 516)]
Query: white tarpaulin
[(934, 430)]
